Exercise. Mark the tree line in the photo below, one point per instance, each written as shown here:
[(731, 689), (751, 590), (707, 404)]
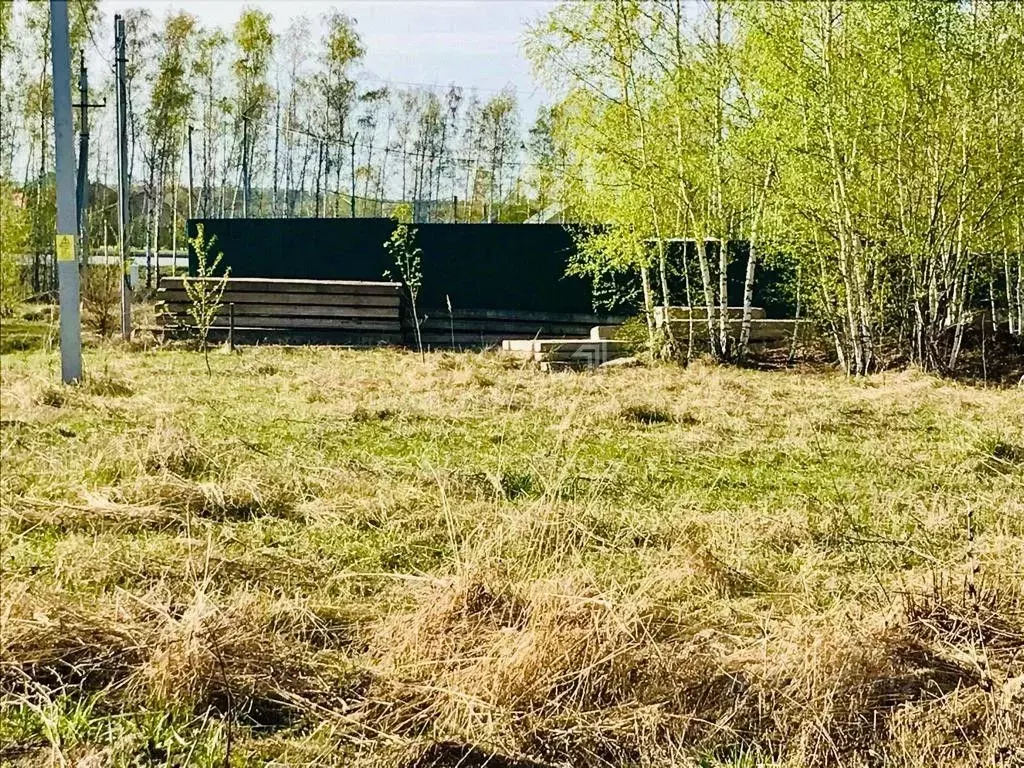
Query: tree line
[(248, 121), (873, 152), (876, 148)]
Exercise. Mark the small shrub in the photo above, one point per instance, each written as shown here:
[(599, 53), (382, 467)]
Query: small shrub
[(101, 298), (401, 245), (206, 292)]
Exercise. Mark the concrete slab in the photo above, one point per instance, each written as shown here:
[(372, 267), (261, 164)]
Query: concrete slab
[(522, 347), (602, 332), (585, 352), (760, 330), (701, 314)]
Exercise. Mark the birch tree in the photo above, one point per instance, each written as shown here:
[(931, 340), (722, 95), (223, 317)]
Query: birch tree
[(254, 44), (166, 118), (342, 49)]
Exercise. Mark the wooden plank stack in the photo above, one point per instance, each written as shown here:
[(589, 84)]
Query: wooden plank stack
[(292, 311), (486, 327)]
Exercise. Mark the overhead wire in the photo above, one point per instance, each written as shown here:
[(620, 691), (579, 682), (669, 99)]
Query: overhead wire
[(88, 28)]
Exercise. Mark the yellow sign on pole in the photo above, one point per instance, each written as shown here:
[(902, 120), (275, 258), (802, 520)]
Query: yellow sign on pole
[(65, 247)]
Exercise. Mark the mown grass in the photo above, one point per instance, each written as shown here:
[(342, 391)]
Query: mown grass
[(329, 557)]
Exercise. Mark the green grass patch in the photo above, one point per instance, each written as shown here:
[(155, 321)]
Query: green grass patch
[(334, 557)]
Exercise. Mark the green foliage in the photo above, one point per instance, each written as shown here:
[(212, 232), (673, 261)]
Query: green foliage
[(206, 290), (101, 297), (255, 43), (342, 50), (171, 93), (14, 245), (401, 245), (877, 143), (356, 532)]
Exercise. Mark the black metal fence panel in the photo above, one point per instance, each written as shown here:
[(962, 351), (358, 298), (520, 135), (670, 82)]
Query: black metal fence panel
[(476, 266)]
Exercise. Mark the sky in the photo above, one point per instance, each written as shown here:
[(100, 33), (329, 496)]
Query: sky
[(472, 43)]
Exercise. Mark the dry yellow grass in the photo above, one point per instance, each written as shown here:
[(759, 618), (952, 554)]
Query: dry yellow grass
[(327, 557)]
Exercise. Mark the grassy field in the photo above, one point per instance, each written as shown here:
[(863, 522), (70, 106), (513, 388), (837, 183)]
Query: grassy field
[(327, 557)]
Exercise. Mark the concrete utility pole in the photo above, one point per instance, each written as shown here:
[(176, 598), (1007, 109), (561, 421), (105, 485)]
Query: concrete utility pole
[(245, 167), (64, 154), (353, 196), (123, 190), (83, 155), (190, 192)]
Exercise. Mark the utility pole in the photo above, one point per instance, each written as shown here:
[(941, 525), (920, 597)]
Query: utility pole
[(245, 166), (64, 155), (352, 202), (190, 188), (82, 200), (123, 190), (319, 164)]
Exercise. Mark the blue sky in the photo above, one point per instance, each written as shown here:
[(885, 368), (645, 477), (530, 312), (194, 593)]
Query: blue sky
[(473, 43)]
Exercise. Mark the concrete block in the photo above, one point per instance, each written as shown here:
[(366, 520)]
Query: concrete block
[(602, 332), (582, 352), (700, 314)]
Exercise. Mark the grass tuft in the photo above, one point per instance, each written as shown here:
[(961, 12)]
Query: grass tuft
[(52, 396), (106, 386), (646, 414), (177, 452)]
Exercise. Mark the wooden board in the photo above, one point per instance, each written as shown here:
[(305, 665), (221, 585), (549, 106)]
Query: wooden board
[(268, 285), (339, 324), (515, 316), (289, 310), (245, 336), (496, 326), (303, 299), (444, 340)]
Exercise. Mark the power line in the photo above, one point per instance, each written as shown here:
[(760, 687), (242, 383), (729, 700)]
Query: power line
[(88, 28)]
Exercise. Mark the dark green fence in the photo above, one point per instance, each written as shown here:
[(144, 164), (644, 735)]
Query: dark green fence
[(479, 266)]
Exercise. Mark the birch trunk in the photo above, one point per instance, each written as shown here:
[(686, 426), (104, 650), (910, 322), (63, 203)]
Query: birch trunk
[(277, 144), (723, 296), (1011, 314), (645, 281), (748, 298)]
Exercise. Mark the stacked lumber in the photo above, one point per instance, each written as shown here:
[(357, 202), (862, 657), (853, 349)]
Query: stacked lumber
[(553, 354), (292, 311), (486, 327), (762, 330)]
